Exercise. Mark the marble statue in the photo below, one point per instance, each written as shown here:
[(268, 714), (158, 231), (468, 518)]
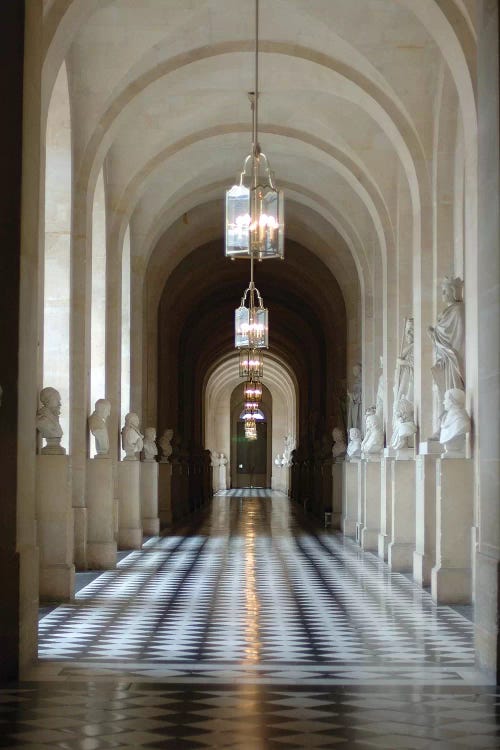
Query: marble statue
[(354, 445), (132, 438), (150, 449), (354, 399), (404, 427), (47, 421), (277, 460), (98, 426), (222, 471), (455, 424), (448, 337), (214, 459), (339, 445), (373, 441), (165, 443), (403, 375), (379, 408), (289, 445)]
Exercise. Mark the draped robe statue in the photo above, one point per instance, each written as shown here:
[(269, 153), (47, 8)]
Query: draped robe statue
[(448, 337)]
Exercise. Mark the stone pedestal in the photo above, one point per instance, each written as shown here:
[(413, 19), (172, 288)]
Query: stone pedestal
[(402, 546), (451, 579), (101, 540), (337, 483), (350, 495), (55, 528), (371, 503), (165, 494), (385, 536), (129, 509), (80, 520), (149, 498), (424, 557)]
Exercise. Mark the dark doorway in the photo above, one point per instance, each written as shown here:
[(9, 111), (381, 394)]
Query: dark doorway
[(251, 457)]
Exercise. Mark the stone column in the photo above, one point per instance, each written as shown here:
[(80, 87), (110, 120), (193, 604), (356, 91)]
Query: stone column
[(149, 498), (371, 503), (337, 484), (101, 538), (402, 546), (55, 528), (424, 557), (385, 536), (165, 493), (129, 509), (350, 495), (451, 580)]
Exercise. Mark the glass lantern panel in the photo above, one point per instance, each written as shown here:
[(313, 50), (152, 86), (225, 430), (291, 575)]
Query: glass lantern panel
[(241, 327), (238, 222), (251, 364), (266, 231), (258, 333)]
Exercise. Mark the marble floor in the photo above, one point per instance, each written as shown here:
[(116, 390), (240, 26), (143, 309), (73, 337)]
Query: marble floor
[(252, 629)]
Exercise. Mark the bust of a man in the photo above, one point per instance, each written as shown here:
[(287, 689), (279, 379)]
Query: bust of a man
[(404, 426), (150, 449), (354, 445), (98, 426), (455, 424), (339, 445), (373, 442), (47, 421), (132, 438), (165, 443)]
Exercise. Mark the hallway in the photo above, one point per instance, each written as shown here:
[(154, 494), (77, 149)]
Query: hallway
[(252, 630), (251, 593)]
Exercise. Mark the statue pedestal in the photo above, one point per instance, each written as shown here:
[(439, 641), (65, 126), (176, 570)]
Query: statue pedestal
[(385, 536), (430, 448), (222, 477), (101, 541), (337, 483), (402, 546), (165, 493), (371, 505), (424, 557), (451, 579), (350, 495), (149, 498), (55, 528), (129, 509)]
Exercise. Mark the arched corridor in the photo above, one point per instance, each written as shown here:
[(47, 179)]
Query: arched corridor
[(131, 382)]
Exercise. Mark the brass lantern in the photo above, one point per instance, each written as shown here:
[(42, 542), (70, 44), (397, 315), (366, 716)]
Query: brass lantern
[(251, 323), (252, 392), (251, 364)]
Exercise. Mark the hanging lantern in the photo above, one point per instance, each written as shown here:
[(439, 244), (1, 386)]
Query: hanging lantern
[(251, 429), (251, 324), (254, 206), (252, 392), (255, 213), (251, 364)]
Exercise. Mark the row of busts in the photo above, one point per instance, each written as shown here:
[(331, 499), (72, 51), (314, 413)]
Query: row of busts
[(454, 426), (134, 442)]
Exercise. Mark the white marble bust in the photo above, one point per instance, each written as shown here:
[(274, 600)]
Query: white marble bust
[(373, 442), (455, 424), (339, 445), (99, 428), (404, 427), (354, 445), (150, 448), (165, 443), (47, 421), (132, 438)]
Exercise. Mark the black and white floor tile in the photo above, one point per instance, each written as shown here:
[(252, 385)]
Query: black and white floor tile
[(252, 630)]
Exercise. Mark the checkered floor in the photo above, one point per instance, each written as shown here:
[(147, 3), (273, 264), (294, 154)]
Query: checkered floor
[(253, 595), (252, 630)]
